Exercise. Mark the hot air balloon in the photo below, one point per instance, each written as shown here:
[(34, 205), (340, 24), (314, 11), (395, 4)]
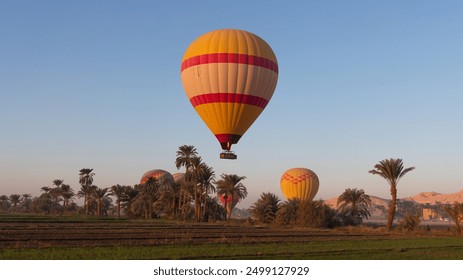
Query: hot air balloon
[(299, 183), (178, 177), (158, 174), (230, 203), (229, 76)]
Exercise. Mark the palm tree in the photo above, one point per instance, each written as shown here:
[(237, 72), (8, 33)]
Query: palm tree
[(185, 154), (206, 180), (392, 170), (196, 171), (4, 203), (455, 212), (56, 192), (266, 207), (26, 202), (231, 186), (15, 199), (120, 193), (57, 182), (86, 192), (167, 196), (149, 190), (214, 210), (353, 204), (99, 194), (67, 193), (55, 196), (45, 200), (287, 214), (316, 214), (187, 190), (128, 198), (45, 189), (86, 181)]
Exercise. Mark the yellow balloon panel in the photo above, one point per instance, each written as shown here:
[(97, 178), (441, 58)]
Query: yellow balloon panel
[(299, 183), (228, 118), (230, 41)]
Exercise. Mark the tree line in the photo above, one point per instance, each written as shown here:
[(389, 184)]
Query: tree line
[(189, 198), (195, 197)]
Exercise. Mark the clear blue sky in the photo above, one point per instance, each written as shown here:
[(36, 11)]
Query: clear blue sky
[(97, 84)]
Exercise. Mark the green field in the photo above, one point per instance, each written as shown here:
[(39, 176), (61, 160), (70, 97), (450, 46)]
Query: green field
[(403, 249), (67, 238)]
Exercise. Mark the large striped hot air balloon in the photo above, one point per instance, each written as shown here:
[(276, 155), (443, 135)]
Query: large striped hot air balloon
[(299, 183), (229, 76)]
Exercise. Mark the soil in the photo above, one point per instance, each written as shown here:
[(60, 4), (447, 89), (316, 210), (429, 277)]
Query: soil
[(33, 234)]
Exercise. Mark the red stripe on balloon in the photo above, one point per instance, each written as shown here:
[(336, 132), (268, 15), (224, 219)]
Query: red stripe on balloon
[(226, 140), (229, 98), (230, 58)]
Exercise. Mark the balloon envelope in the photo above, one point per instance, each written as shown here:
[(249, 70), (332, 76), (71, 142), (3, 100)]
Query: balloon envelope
[(156, 174), (299, 183), (229, 77), (230, 203), (178, 177)]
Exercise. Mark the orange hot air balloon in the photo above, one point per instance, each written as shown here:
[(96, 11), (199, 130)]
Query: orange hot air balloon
[(157, 174), (229, 76), (299, 183)]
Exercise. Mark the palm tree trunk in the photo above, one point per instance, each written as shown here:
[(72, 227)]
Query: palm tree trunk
[(174, 207), (196, 201), (390, 218), (226, 204), (204, 207), (186, 200), (87, 206), (180, 199), (150, 207), (198, 208), (457, 224), (118, 209), (231, 206)]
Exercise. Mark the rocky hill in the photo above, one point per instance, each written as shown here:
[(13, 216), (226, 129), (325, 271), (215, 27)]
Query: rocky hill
[(375, 201), (434, 197), (422, 198)]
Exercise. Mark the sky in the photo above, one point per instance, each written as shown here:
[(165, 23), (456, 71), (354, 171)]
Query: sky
[(96, 84)]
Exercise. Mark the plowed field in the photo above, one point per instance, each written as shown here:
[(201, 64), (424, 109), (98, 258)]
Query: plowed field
[(33, 234)]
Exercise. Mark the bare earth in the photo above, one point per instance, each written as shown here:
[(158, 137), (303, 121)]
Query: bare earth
[(85, 234)]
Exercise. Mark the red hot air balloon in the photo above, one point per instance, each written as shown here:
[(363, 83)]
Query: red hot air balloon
[(230, 204)]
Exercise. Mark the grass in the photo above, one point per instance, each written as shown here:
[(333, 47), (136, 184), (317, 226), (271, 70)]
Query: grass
[(396, 246), (390, 249)]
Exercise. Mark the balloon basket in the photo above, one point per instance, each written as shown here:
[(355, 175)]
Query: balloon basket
[(228, 155)]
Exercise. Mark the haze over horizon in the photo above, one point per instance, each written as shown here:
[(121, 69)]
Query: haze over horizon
[(96, 84)]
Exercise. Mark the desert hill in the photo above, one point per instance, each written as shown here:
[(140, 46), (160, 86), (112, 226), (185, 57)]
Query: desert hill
[(434, 197), (422, 198)]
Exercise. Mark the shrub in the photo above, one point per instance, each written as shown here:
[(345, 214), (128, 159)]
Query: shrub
[(410, 222), (316, 214), (266, 207)]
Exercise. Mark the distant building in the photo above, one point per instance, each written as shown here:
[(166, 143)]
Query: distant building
[(429, 214)]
